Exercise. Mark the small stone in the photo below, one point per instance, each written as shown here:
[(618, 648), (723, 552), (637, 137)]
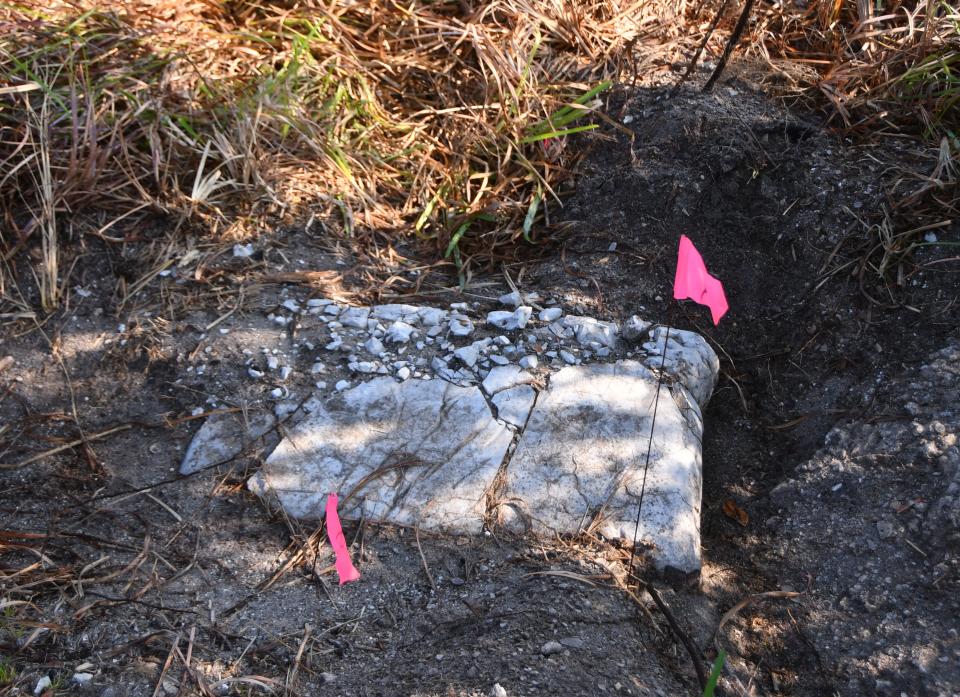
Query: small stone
[(272, 362), (243, 250), (550, 314), (342, 385), (497, 691), (512, 299), (292, 305), (528, 362), (318, 367), (510, 320), (355, 317), (42, 684), (573, 642), (277, 393), (468, 355), (431, 316), (327, 678), (400, 332), (335, 344), (461, 326), (332, 309), (588, 330), (515, 299), (635, 329), (82, 679), (568, 357), (254, 373), (885, 529), (403, 373), (319, 302), (499, 360), (395, 311), (221, 438), (551, 647), (374, 345), (285, 372)]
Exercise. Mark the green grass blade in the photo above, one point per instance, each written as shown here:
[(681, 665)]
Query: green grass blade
[(556, 134), (566, 114), (455, 240), (715, 674), (531, 214)]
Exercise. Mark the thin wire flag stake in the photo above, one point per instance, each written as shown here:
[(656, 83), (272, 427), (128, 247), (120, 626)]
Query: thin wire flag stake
[(693, 282)]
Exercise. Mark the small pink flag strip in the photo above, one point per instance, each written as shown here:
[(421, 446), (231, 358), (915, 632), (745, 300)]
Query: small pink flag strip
[(335, 532), (693, 281)]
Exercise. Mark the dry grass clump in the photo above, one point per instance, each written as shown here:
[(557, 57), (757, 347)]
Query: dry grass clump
[(440, 119), (882, 67)]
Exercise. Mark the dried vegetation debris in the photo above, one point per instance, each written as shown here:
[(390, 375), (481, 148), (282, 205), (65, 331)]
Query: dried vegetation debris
[(431, 119)]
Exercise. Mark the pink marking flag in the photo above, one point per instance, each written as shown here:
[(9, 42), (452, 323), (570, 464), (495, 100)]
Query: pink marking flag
[(693, 281), (335, 532)]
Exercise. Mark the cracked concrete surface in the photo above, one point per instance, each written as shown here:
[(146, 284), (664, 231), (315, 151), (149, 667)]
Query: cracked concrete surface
[(542, 428), (421, 452), (580, 462)]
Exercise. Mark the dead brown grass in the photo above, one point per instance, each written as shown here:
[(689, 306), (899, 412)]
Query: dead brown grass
[(880, 67), (444, 120)]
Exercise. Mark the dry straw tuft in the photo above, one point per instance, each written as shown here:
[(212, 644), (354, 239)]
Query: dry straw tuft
[(443, 120), (881, 66)]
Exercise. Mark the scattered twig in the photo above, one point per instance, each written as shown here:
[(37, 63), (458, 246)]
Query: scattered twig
[(292, 674), (732, 612), (688, 644), (65, 446), (424, 559), (696, 56), (166, 666), (731, 44)]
